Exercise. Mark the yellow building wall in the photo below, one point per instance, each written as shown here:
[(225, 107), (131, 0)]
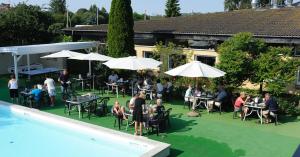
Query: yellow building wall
[(140, 49)]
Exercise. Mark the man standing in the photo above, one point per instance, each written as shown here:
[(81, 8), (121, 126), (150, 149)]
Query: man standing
[(64, 81), (50, 86)]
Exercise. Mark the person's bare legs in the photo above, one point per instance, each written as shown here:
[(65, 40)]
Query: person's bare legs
[(141, 128), (52, 99), (135, 127)]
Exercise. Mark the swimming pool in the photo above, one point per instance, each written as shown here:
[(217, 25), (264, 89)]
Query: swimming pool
[(31, 133)]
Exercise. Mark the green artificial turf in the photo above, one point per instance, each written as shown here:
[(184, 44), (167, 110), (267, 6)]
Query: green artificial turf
[(211, 135)]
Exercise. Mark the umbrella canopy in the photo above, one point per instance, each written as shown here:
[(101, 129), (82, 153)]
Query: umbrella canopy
[(63, 54), (196, 69), (133, 63), (92, 57)]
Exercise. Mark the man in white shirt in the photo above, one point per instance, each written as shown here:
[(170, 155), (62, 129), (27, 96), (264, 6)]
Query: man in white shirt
[(113, 78), (50, 85)]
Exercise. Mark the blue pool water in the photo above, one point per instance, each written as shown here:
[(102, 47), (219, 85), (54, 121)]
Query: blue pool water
[(22, 136)]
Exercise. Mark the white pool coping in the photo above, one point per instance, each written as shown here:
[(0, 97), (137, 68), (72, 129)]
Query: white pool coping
[(157, 149)]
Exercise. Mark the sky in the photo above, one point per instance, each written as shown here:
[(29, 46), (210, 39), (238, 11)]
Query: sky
[(152, 7)]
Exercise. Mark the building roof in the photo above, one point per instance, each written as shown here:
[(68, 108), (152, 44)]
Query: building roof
[(47, 48), (283, 22)]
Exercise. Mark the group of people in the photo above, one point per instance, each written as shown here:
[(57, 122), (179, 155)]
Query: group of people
[(217, 99), (269, 110), (36, 91), (136, 108)]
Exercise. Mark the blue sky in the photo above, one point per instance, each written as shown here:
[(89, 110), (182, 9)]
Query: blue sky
[(153, 7)]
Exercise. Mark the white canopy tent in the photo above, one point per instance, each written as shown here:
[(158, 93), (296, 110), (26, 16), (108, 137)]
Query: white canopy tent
[(19, 51)]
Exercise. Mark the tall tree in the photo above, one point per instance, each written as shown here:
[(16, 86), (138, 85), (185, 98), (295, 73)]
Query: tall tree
[(120, 29), (58, 6), (172, 8)]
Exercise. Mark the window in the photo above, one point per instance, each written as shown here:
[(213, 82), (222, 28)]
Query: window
[(297, 51), (147, 54), (209, 60), (176, 60)]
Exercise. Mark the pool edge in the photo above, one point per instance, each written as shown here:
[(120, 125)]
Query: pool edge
[(160, 149)]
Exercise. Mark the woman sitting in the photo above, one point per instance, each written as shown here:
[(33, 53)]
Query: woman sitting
[(239, 104), (118, 110)]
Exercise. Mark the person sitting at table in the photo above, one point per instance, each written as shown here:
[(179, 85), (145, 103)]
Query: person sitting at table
[(138, 114), (159, 88), (132, 102), (13, 89), (159, 107), (37, 95), (168, 88), (119, 110), (239, 105), (147, 83), (271, 107), (64, 80), (113, 78), (188, 94), (219, 98), (50, 86)]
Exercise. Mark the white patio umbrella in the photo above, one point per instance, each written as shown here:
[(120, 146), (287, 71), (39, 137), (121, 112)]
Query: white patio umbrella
[(92, 57), (63, 54), (133, 63), (196, 69)]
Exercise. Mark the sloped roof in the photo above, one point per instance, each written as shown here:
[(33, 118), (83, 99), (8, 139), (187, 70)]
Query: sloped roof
[(283, 22)]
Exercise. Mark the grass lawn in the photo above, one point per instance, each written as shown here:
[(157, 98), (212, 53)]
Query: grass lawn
[(211, 135)]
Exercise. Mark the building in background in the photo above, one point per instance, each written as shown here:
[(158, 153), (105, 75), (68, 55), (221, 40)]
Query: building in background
[(277, 27)]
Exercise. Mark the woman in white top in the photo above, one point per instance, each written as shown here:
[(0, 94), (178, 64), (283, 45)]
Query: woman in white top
[(50, 84), (13, 89)]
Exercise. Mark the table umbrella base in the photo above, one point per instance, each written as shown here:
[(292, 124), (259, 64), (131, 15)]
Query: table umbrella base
[(193, 114)]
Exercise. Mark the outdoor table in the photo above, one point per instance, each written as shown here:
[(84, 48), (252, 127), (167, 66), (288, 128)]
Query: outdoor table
[(204, 98), (82, 81), (79, 103), (112, 85), (255, 107), (40, 71)]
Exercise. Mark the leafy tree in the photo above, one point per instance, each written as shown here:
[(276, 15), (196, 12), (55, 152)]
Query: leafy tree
[(138, 17), (163, 52), (276, 69), (89, 17), (231, 5), (120, 29), (236, 57), (172, 8), (58, 6), (25, 24)]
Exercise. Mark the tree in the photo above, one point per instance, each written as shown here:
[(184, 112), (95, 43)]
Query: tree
[(120, 29), (236, 57), (58, 6), (172, 8), (138, 17), (25, 24), (275, 69), (231, 5)]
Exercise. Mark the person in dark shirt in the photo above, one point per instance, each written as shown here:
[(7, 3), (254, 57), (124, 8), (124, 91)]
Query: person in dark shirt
[(64, 81), (271, 107), (138, 114)]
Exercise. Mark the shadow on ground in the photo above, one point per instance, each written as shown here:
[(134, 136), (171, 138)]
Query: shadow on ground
[(203, 147)]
